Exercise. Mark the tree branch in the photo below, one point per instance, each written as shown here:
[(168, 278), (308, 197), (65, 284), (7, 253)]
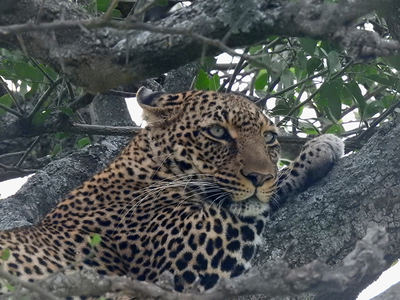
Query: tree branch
[(99, 54)]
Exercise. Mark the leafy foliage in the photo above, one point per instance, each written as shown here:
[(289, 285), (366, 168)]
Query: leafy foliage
[(313, 87)]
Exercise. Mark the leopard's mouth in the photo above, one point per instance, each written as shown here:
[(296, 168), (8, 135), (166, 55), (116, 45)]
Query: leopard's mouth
[(250, 207)]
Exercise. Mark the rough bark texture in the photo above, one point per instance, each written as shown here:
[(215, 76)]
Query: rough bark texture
[(325, 221), (390, 294), (122, 53)]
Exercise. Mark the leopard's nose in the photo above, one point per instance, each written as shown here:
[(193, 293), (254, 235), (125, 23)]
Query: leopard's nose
[(258, 179)]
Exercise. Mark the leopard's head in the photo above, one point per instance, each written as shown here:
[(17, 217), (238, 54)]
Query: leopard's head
[(223, 138)]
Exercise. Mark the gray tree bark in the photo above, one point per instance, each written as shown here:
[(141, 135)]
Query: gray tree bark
[(110, 53), (391, 293)]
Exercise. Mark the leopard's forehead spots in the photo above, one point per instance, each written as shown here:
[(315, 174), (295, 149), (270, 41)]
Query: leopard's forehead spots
[(234, 111)]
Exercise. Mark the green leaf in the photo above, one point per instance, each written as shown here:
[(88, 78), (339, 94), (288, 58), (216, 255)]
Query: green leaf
[(335, 129), (301, 59), (393, 61), (5, 254), (371, 109), (333, 62), (62, 135), (83, 142), (358, 97), (287, 78), (382, 79), (214, 83), (50, 72), (261, 80), (329, 99), (202, 81), (67, 110), (94, 240), (346, 96), (102, 5), (6, 100), (308, 45), (388, 100), (56, 149), (254, 49), (34, 88), (116, 13), (281, 108), (26, 71), (40, 117), (313, 64), (308, 128)]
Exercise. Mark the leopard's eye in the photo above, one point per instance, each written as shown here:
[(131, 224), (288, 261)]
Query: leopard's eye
[(218, 132), (270, 137)]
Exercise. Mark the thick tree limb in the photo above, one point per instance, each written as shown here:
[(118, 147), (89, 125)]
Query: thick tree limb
[(391, 293), (104, 57), (43, 190)]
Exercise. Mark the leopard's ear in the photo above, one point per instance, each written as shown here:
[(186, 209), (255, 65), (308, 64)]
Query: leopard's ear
[(158, 106)]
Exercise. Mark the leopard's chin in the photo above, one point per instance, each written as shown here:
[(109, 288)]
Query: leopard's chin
[(250, 207)]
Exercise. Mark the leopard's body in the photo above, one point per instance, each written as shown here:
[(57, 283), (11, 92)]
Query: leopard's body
[(189, 195)]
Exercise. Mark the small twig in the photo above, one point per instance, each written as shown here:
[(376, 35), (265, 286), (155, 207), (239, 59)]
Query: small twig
[(11, 154), (15, 169), (28, 285), (240, 65), (108, 14), (144, 8), (120, 93), (273, 43), (383, 116), (295, 108), (43, 98), (103, 130), (22, 44), (70, 90), (37, 65), (27, 151), (294, 85), (11, 111)]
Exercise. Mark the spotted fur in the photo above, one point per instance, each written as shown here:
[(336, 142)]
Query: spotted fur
[(189, 195)]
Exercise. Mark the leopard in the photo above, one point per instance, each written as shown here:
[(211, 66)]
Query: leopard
[(190, 195)]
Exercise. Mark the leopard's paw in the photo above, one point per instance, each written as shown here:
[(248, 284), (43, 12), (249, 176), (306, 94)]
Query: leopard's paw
[(315, 160), (320, 154)]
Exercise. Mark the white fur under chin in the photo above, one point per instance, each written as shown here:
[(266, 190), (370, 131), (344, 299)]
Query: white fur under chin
[(251, 207)]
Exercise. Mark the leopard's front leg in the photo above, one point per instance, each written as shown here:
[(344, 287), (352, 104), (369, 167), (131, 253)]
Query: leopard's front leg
[(315, 160)]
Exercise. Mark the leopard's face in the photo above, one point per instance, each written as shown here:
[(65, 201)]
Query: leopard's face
[(221, 138)]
